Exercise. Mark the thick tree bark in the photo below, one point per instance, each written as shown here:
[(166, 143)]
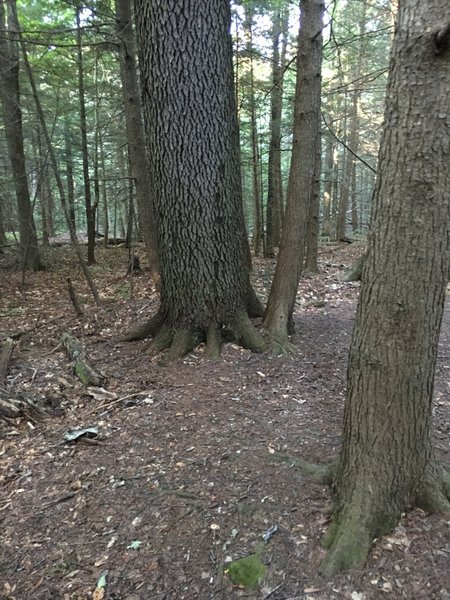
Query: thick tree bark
[(387, 462), (12, 118), (135, 135), (278, 317), (190, 117)]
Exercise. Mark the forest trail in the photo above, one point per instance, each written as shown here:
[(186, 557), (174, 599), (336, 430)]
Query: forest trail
[(191, 464)]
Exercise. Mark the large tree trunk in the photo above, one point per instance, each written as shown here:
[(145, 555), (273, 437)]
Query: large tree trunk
[(135, 135), (387, 462), (190, 117), (278, 318), (12, 117)]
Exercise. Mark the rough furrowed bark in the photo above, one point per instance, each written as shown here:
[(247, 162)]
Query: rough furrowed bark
[(194, 164), (354, 527), (387, 464), (305, 146)]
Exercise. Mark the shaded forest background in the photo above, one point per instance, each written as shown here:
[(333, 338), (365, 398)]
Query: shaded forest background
[(73, 53)]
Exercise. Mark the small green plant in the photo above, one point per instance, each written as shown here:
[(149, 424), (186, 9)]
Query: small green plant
[(63, 565)]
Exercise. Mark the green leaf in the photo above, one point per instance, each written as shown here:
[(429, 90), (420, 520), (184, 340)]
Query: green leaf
[(135, 545), (101, 583)]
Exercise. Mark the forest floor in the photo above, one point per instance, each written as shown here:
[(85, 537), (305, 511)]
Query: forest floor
[(191, 465)]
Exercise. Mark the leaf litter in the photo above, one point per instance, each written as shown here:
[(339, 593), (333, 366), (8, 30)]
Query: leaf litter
[(189, 454)]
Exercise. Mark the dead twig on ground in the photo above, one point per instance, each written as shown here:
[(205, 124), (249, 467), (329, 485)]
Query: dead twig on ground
[(7, 350)]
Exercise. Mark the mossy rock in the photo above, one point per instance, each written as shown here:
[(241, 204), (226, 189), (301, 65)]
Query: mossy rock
[(247, 572)]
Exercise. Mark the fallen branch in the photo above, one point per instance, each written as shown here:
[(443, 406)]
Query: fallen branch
[(81, 364), (13, 406), (74, 298), (7, 349)]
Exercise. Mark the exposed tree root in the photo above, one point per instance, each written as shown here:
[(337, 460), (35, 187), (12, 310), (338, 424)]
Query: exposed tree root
[(349, 540), (323, 474), (355, 273), (184, 341), (350, 535), (150, 327), (282, 346), (434, 494), (246, 333), (180, 340), (162, 340), (446, 482), (213, 341)]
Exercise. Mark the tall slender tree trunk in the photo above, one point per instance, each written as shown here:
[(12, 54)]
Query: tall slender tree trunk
[(90, 205), (344, 187), (97, 135), (105, 211), (3, 239), (337, 160), (278, 317), (135, 135), (327, 188), (273, 224), (312, 232), (69, 176), (255, 162), (44, 189), (12, 117), (348, 179), (387, 463), (54, 163)]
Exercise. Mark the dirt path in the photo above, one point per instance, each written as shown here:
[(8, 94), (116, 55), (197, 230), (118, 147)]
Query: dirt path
[(188, 472)]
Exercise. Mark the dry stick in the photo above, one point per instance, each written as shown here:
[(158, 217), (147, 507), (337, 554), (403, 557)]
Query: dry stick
[(337, 138), (81, 364), (59, 183), (7, 349), (74, 298)]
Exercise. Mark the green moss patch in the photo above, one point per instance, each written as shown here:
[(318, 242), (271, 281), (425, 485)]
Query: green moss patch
[(247, 572)]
